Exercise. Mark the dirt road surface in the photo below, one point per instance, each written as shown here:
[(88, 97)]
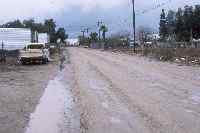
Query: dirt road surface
[(20, 90), (95, 91), (118, 93)]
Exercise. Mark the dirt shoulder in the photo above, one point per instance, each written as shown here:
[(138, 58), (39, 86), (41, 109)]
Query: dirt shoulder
[(20, 90)]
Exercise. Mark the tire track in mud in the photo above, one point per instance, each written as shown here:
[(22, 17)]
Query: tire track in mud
[(153, 123), (106, 105), (102, 105), (172, 70), (181, 89), (143, 117), (139, 114)]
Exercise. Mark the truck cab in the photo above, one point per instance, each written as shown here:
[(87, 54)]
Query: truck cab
[(34, 53)]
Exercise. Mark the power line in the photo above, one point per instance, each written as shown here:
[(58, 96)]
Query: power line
[(154, 7), (123, 22)]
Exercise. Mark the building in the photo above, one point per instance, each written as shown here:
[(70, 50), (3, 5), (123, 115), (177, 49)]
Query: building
[(43, 38), (196, 43), (14, 38), (72, 42), (153, 36)]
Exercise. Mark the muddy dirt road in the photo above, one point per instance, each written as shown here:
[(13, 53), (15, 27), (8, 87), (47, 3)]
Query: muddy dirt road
[(20, 90), (117, 93), (95, 91)]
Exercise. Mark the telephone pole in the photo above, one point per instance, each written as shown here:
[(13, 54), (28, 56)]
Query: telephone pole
[(87, 30), (134, 36), (83, 39), (3, 55), (83, 32), (99, 23)]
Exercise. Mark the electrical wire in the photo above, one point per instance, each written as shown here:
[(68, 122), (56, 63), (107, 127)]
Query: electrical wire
[(126, 21)]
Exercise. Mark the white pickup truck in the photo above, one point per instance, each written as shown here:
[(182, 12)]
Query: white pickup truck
[(34, 53)]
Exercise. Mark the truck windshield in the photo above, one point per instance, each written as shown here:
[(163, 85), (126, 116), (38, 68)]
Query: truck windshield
[(35, 46)]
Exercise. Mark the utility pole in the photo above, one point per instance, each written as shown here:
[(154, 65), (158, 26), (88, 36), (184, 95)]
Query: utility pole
[(99, 23), (83, 31), (3, 56), (87, 36), (134, 36), (2, 51), (87, 30)]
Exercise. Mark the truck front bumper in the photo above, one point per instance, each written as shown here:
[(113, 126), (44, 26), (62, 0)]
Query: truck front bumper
[(29, 60)]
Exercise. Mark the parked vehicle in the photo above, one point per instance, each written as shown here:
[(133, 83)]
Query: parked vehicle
[(34, 53)]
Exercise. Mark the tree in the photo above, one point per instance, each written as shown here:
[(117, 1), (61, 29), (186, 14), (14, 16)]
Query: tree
[(61, 34), (29, 23), (51, 29), (179, 25), (196, 24), (94, 37), (39, 27), (171, 20), (188, 22), (104, 29), (13, 24), (50, 25), (163, 27)]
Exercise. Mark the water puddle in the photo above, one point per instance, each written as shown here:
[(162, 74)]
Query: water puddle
[(115, 120), (105, 105), (50, 113), (195, 97), (96, 84)]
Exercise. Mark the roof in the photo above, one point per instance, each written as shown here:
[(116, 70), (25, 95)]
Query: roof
[(72, 41)]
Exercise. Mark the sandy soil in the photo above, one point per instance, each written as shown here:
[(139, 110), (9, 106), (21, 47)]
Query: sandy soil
[(118, 93), (20, 90)]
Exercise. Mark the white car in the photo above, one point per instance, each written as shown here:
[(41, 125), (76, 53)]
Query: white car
[(34, 53)]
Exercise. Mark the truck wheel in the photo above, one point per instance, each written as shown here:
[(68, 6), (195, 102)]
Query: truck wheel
[(44, 61), (23, 62)]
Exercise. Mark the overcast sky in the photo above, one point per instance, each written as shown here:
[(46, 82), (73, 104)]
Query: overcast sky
[(72, 14)]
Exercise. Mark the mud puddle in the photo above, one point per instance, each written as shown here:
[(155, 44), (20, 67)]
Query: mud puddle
[(54, 110), (49, 114)]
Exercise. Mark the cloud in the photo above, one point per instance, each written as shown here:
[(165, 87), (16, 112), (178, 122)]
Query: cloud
[(28, 8), (88, 5), (13, 9), (67, 12)]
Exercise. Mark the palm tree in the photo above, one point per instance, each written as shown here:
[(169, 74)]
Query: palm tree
[(104, 29), (51, 29), (93, 37)]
